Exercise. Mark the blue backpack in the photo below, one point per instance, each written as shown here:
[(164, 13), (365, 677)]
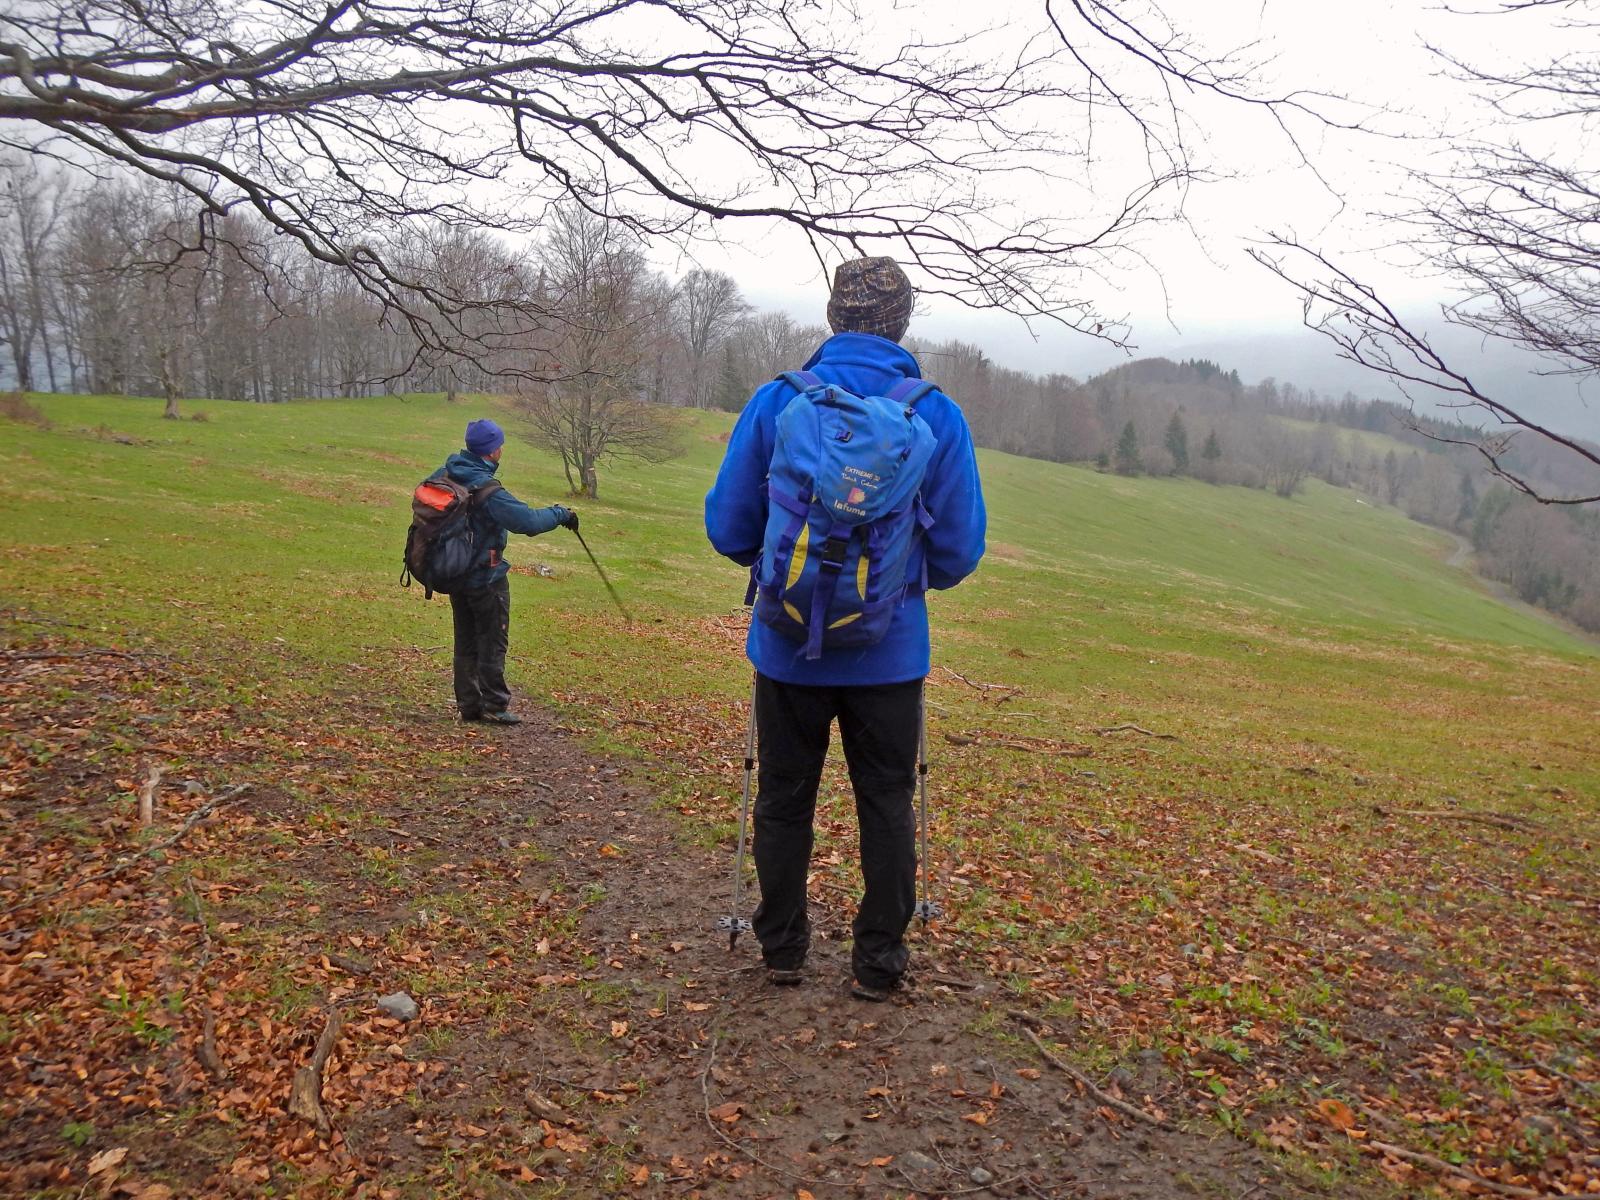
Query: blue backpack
[(844, 510)]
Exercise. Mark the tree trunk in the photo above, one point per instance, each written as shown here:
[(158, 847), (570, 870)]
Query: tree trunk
[(169, 388), (591, 482)]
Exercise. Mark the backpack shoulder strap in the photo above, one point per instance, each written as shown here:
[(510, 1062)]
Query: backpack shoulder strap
[(909, 391), (801, 381), (483, 491)]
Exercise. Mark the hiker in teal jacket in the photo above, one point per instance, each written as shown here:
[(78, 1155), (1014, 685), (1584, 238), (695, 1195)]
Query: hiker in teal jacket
[(874, 691), (481, 611)]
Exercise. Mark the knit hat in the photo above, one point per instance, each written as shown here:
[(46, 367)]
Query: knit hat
[(871, 295), (484, 437)]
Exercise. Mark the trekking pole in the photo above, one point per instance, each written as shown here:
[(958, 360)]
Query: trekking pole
[(603, 579), (926, 908), (733, 922)]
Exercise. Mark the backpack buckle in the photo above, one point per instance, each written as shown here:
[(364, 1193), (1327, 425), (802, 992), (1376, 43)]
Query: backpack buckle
[(833, 550)]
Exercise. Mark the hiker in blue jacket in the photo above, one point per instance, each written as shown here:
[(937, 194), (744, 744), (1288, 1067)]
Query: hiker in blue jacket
[(481, 611), (874, 691)]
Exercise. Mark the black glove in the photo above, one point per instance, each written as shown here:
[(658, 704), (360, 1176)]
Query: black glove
[(570, 519)]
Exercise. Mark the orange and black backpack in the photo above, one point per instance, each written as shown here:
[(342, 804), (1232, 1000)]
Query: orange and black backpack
[(442, 545)]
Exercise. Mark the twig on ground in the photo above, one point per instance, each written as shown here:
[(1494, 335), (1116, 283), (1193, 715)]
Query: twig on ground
[(409, 836), (305, 1093), (207, 1052), (199, 814), (1439, 1164), (731, 1143), (1264, 855), (1500, 821), (1552, 1069), (1031, 746), (1129, 727), (1089, 1085), (978, 685)]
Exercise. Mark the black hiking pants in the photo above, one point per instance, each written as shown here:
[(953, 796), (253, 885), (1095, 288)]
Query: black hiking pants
[(482, 629), (879, 727)]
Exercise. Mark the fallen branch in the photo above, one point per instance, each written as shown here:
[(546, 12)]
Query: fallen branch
[(113, 871), (1089, 1085), (305, 1093), (147, 797), (1129, 727), (1438, 1164), (1014, 743), (210, 1060), (1263, 855), (1501, 821), (1035, 748), (980, 686)]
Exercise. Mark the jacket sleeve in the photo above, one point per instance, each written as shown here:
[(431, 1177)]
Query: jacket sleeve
[(506, 510), (954, 497), (736, 505)]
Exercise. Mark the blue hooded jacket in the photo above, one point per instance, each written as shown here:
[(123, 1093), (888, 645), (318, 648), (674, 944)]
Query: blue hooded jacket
[(500, 514), (736, 514)]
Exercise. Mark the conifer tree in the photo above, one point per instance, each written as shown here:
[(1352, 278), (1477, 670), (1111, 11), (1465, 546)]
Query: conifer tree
[(1128, 451), (1178, 444)]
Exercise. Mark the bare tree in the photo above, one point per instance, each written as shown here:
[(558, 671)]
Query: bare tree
[(31, 210), (333, 119), (1518, 230), (708, 308), (596, 409)]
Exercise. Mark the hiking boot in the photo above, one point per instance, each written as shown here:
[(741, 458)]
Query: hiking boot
[(501, 718), (873, 995), (471, 718), (785, 976)]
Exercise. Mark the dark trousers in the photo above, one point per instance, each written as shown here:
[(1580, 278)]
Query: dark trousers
[(879, 727), (482, 628)]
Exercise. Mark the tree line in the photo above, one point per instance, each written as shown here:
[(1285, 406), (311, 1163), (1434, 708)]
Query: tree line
[(113, 289)]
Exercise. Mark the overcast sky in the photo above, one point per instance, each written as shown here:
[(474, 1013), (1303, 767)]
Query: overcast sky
[(1196, 290)]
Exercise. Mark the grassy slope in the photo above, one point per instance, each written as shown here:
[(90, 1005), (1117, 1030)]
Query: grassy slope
[(1315, 657)]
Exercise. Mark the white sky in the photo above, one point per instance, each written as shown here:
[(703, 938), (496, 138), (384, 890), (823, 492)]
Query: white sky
[(1200, 289)]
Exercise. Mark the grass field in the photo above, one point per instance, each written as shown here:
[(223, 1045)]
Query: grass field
[(1261, 784)]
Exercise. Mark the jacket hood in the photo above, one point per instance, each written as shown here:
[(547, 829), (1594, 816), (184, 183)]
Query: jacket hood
[(467, 469)]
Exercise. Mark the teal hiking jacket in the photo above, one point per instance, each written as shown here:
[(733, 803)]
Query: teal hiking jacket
[(502, 514)]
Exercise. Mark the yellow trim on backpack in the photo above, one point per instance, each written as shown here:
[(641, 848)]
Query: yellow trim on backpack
[(862, 566), (797, 560), (793, 612), (855, 616)]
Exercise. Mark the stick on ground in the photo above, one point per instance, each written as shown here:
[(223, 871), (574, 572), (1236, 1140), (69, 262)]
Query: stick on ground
[(305, 1093), (1089, 1085)]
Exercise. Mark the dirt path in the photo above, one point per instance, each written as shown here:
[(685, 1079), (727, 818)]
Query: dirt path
[(711, 1081), (582, 1029)]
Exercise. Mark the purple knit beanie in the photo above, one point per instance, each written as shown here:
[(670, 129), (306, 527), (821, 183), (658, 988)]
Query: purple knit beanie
[(484, 437)]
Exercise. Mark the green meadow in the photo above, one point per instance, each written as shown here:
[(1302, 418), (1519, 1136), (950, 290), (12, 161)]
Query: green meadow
[(1262, 784)]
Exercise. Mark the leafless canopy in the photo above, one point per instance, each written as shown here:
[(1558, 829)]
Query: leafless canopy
[(343, 122), (1514, 223)]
